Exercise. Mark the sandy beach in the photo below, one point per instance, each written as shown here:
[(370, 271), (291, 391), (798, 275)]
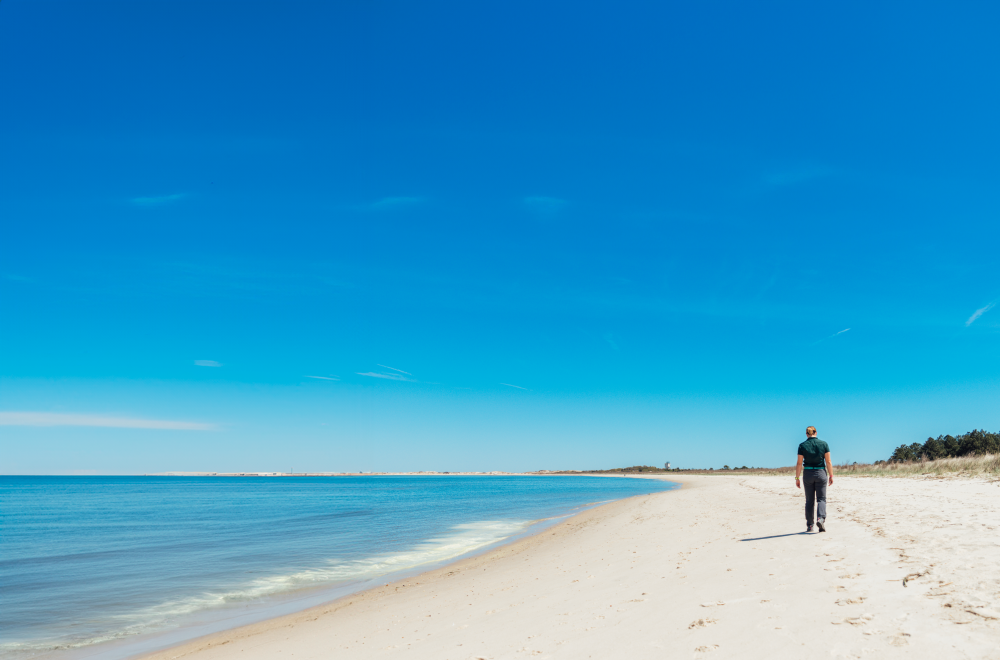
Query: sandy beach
[(719, 569)]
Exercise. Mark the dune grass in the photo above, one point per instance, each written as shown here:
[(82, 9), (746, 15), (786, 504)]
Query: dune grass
[(987, 465)]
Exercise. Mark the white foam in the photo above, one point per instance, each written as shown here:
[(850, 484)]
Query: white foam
[(461, 540)]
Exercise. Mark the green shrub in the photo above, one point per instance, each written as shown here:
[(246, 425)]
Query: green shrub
[(973, 443)]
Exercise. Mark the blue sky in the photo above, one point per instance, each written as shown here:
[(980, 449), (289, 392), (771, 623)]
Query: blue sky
[(444, 235)]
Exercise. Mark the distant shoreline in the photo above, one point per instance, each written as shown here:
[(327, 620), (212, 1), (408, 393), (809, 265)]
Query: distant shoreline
[(429, 473), (327, 474)]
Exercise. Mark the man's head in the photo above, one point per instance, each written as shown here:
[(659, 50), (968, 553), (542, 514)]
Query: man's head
[(811, 431)]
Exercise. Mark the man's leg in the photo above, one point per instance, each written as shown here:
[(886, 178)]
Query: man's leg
[(820, 494), (808, 484)]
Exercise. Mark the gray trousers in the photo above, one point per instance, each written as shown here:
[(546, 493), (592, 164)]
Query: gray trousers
[(814, 483)]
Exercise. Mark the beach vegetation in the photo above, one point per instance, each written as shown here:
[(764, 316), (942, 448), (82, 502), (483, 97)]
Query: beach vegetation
[(986, 465), (974, 454), (973, 443), (641, 469)]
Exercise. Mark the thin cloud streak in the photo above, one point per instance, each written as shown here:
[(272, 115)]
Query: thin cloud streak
[(11, 418), (385, 366), (517, 386), (979, 312), (323, 377), (207, 363), (373, 374), (831, 336)]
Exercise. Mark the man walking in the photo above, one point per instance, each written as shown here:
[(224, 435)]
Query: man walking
[(814, 458)]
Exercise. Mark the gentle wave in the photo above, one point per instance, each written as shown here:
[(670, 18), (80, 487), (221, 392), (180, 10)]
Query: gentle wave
[(463, 539), (146, 562)]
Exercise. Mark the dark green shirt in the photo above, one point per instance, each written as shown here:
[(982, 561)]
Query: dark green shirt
[(812, 452)]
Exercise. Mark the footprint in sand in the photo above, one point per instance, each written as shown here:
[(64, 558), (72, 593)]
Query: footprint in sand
[(899, 640), (702, 623), (706, 649), (859, 620)]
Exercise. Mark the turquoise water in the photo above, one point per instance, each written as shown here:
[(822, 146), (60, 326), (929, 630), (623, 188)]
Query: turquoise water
[(98, 566)]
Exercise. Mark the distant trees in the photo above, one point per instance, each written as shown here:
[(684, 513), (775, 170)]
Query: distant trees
[(973, 443)]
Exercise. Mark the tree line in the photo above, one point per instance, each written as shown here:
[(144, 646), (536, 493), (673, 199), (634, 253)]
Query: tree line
[(973, 443)]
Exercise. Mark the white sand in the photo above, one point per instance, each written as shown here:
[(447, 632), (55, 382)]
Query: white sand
[(718, 569)]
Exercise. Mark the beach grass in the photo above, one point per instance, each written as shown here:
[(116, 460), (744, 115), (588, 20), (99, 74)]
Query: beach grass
[(987, 465)]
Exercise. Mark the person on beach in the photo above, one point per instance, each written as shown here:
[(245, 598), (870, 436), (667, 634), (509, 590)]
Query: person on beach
[(814, 458)]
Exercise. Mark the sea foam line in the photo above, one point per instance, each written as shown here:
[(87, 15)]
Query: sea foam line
[(464, 538)]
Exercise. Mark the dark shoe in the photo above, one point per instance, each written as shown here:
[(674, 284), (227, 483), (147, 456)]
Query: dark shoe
[(821, 524), (809, 528)]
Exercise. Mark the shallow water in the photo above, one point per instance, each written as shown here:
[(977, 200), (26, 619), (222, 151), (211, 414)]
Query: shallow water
[(85, 561)]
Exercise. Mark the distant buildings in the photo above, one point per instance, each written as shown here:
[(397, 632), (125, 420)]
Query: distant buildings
[(666, 466)]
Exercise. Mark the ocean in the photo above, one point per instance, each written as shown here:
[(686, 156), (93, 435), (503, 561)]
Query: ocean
[(107, 567)]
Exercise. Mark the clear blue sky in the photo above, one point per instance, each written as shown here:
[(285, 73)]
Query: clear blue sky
[(509, 235)]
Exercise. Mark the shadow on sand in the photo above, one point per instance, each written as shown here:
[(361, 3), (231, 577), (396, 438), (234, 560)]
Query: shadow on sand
[(777, 536)]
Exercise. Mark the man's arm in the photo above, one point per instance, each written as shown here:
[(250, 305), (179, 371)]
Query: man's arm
[(829, 466), (798, 472)]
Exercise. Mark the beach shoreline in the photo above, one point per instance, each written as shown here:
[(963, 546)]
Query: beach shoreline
[(441, 548), (700, 570), (506, 548)]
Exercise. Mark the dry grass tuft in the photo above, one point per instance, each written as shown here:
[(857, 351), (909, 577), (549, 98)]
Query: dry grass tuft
[(963, 466)]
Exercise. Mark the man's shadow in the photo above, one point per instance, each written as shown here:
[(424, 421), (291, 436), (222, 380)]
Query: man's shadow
[(777, 536)]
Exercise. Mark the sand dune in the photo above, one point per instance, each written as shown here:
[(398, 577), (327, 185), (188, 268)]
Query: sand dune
[(719, 569)]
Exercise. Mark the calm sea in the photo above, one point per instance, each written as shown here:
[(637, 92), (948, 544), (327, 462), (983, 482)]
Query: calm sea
[(106, 567)]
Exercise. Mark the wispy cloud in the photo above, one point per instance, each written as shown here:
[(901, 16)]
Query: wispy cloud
[(11, 418), (207, 363), (544, 206), (374, 374), (611, 340), (158, 201), (979, 312), (832, 336), (390, 203), (324, 377), (517, 386), (385, 366)]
